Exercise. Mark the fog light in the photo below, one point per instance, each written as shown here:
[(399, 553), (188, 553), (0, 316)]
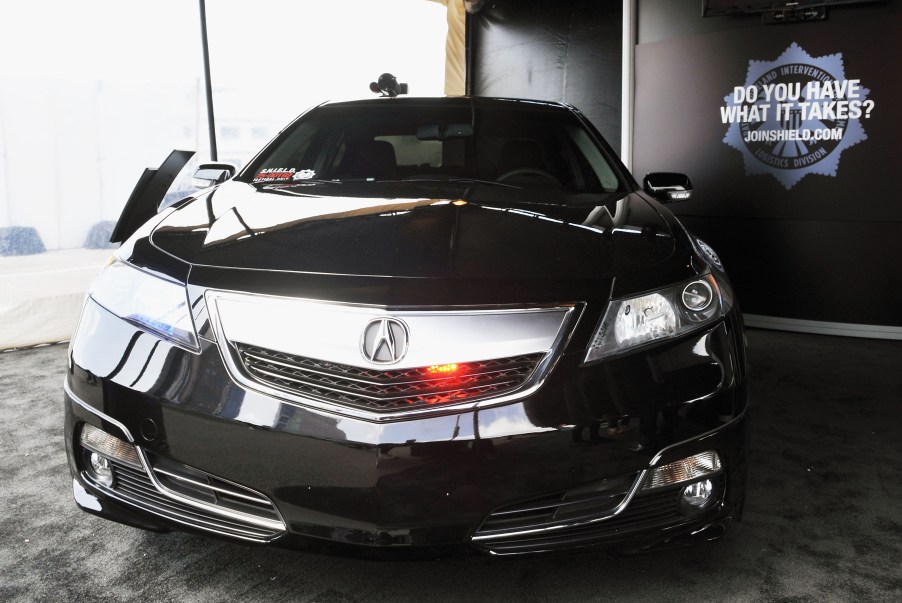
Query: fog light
[(698, 494), (101, 470)]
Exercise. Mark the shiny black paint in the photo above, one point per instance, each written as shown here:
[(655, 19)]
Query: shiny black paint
[(430, 480), (494, 234)]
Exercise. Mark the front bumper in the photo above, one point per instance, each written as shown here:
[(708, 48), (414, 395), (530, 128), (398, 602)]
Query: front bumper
[(441, 480)]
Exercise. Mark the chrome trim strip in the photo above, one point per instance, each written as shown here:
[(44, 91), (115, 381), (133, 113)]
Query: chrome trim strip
[(573, 524), (697, 438), (228, 353), (173, 515), (204, 486), (92, 410), (547, 507), (331, 331), (216, 510)]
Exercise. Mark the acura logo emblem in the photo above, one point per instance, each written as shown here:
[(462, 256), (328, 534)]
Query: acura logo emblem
[(384, 340)]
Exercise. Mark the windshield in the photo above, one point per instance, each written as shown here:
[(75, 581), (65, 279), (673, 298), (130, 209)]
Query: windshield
[(524, 146)]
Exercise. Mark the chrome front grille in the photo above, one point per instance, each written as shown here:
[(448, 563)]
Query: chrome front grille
[(380, 363), (221, 507), (386, 390)]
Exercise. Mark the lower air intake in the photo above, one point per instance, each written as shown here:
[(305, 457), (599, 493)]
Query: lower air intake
[(218, 506), (578, 519)]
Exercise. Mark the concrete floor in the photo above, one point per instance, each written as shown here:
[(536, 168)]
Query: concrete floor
[(823, 520)]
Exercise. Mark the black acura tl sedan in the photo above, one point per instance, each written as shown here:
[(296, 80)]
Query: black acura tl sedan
[(414, 325)]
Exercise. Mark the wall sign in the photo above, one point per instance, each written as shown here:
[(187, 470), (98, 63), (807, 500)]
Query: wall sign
[(795, 115)]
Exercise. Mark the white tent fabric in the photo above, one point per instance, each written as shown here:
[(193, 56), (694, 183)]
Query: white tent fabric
[(86, 132), (41, 295)]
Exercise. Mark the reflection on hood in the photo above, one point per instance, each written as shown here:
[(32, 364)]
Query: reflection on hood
[(390, 229)]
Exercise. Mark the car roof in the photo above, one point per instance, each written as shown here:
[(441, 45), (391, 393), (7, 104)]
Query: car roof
[(449, 101)]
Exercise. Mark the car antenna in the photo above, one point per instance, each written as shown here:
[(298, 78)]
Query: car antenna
[(387, 85)]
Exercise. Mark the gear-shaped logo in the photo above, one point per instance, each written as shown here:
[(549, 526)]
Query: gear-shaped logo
[(795, 116)]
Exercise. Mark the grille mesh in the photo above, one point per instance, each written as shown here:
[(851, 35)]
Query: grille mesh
[(386, 390)]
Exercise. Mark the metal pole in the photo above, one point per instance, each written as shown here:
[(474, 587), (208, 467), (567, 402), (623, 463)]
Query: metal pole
[(211, 122)]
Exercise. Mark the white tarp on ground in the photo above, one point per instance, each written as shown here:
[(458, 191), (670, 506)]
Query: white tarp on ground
[(41, 295)]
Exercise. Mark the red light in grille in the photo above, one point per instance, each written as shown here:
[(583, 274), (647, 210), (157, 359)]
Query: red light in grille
[(443, 369)]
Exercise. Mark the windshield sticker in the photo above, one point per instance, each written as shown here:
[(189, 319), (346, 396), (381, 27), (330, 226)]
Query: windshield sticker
[(303, 175), (273, 174), (796, 115)]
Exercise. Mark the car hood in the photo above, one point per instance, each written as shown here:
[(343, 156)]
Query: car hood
[(417, 230)]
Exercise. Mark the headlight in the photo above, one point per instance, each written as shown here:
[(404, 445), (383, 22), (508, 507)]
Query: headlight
[(631, 323), (157, 305)]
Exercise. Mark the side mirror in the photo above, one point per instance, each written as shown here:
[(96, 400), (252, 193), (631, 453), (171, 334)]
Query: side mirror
[(211, 174), (668, 187)]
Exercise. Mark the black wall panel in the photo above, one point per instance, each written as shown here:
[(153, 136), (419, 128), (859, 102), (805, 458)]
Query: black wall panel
[(567, 50), (825, 246)]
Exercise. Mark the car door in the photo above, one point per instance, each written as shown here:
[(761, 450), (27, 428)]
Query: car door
[(149, 192)]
